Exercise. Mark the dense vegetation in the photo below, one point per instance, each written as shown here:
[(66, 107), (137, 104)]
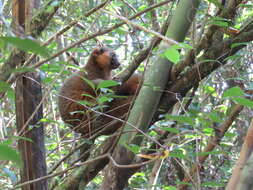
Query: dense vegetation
[(191, 134)]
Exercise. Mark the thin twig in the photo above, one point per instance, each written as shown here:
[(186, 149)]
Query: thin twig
[(98, 33), (61, 172), (143, 54), (213, 142), (168, 40), (67, 27)]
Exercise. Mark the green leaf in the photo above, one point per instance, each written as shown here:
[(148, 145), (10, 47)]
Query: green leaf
[(171, 130), (86, 103), (142, 7), (208, 131), (4, 86), (46, 120), (53, 68), (181, 119), (219, 21), (89, 82), (214, 116), (27, 45), (239, 44), (8, 153), (7, 142), (177, 154), (133, 148), (209, 89), (212, 184), (172, 54), (103, 99), (24, 69), (231, 92), (169, 187), (121, 31), (90, 96), (107, 84), (243, 101)]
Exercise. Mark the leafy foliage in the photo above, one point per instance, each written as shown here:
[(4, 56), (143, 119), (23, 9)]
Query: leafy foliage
[(8, 153), (185, 132), (27, 45)]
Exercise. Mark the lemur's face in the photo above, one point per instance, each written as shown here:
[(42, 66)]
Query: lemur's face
[(106, 58)]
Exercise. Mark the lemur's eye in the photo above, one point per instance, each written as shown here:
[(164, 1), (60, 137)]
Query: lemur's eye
[(102, 50)]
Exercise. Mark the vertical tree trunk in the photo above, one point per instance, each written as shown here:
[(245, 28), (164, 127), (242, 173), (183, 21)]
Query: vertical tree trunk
[(29, 108), (148, 98), (237, 179), (28, 98)]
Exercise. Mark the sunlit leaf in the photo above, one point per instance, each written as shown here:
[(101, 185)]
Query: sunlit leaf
[(121, 31), (107, 84), (27, 45), (234, 91), (234, 45), (4, 86), (133, 148), (172, 54), (142, 7), (219, 21), (243, 101), (103, 99), (8, 153), (89, 82), (53, 68), (169, 187), (212, 184), (86, 103), (177, 154), (171, 130), (88, 95), (209, 89), (46, 120), (181, 119), (24, 69), (213, 116)]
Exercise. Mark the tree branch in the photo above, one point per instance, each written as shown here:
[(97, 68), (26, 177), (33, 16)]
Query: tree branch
[(38, 23)]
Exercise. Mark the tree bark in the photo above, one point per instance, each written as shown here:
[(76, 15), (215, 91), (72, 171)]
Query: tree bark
[(148, 98), (37, 24), (238, 180), (29, 111)]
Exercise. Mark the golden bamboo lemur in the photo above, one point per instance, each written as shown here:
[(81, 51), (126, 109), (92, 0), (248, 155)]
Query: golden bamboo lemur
[(75, 89)]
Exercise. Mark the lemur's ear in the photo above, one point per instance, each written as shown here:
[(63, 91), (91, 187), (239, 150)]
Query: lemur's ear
[(96, 51)]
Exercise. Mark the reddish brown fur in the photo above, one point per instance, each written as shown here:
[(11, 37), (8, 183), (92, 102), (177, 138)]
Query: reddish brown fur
[(119, 107), (98, 67), (130, 86)]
